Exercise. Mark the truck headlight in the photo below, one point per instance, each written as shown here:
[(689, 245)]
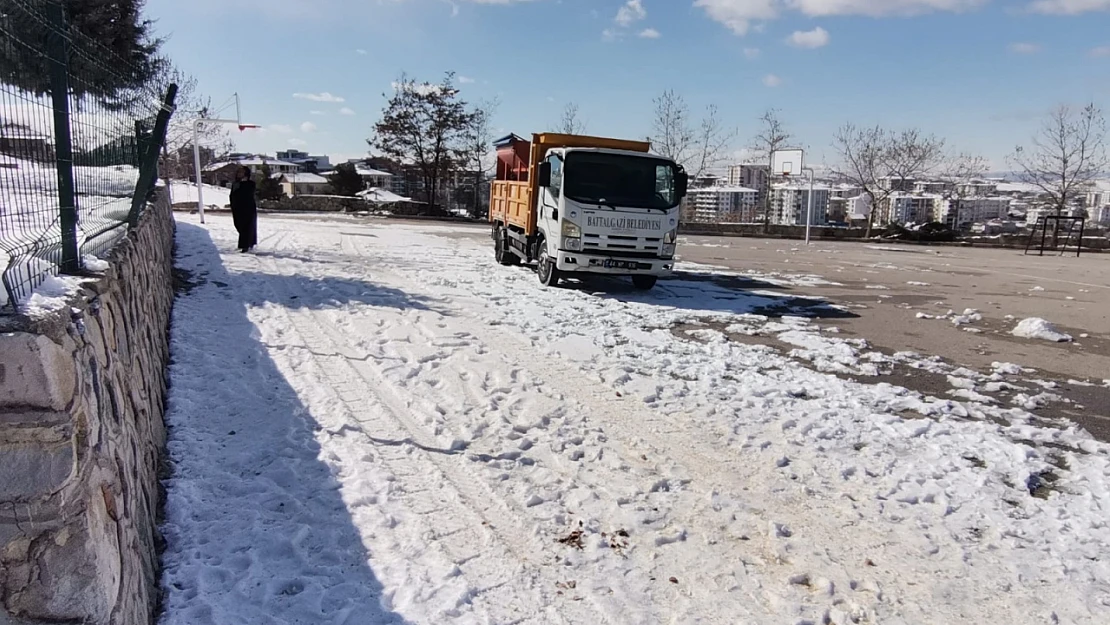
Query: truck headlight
[(668, 249), (671, 236), (572, 244), (571, 229)]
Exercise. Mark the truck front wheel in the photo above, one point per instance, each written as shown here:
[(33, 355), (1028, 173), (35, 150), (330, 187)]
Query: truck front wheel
[(644, 283), (545, 267)]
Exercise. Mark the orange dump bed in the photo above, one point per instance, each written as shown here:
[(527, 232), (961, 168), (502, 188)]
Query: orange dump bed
[(511, 197)]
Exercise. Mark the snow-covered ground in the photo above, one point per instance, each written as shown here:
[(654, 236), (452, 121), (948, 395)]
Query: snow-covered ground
[(186, 192), (377, 424)]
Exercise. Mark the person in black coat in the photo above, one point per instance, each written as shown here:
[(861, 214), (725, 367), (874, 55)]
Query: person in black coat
[(244, 211)]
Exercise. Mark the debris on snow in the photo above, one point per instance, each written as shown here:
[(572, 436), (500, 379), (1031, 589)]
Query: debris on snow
[(1037, 328)]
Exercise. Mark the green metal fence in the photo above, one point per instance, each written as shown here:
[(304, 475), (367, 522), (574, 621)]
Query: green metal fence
[(80, 132)]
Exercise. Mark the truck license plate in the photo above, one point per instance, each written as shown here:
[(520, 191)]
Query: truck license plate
[(617, 264)]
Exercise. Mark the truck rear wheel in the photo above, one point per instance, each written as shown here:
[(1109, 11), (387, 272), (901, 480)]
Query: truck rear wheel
[(644, 283), (501, 250), (545, 267)]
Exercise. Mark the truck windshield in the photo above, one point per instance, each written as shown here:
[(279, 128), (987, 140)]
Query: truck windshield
[(620, 180)]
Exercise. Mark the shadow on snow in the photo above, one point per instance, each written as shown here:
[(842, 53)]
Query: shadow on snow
[(256, 527), (707, 292)]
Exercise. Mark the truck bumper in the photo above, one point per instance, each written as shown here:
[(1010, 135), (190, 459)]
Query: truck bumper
[(576, 262)]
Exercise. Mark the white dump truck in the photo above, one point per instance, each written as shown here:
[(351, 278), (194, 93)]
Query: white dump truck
[(586, 205)]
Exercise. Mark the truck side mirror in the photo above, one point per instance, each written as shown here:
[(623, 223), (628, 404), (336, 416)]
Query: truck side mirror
[(682, 184), (543, 176)]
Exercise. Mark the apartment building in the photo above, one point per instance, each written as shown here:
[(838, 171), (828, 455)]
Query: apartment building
[(962, 212), (789, 204), (977, 188), (715, 204), (905, 208), (752, 176)]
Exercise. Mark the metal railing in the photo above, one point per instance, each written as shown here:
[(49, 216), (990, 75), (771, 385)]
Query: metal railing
[(80, 132)]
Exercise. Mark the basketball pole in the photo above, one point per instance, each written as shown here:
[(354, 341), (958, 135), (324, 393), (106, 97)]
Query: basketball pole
[(809, 207), (238, 121)]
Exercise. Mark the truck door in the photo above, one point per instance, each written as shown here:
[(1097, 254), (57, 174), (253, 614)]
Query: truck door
[(550, 203)]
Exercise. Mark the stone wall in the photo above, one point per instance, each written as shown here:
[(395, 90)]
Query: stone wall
[(81, 437)]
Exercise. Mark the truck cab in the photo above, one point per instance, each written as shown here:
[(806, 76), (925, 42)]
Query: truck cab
[(587, 205)]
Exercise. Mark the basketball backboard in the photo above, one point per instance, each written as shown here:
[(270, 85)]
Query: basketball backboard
[(787, 162)]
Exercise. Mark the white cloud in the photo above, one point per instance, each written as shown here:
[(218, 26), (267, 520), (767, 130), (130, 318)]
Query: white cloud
[(771, 80), (610, 35), (741, 16), (361, 51), (738, 15), (317, 113), (346, 111), (466, 80), (650, 33), (319, 97), (816, 38), (281, 128), (1024, 48), (308, 127), (752, 53), (297, 143), (1069, 7), (1100, 52), (632, 11)]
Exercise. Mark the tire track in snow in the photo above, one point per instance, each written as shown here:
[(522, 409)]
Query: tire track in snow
[(501, 533), (817, 522), (694, 515)]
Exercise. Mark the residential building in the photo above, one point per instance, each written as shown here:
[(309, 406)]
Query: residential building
[(790, 204), (305, 161), (906, 208), (23, 143), (707, 180), (374, 178), (1100, 215), (1098, 196), (222, 173), (752, 176), (939, 187), (715, 204), (961, 213), (845, 190), (977, 188), (838, 210), (897, 184), (304, 184)]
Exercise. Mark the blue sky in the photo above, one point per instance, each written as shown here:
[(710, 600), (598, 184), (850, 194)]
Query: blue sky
[(978, 72)]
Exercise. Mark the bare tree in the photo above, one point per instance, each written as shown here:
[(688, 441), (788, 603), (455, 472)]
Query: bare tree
[(672, 136), (914, 154), (477, 142), (1067, 154), (570, 123), (957, 172), (177, 152), (699, 148), (870, 156), (712, 141), (772, 136)]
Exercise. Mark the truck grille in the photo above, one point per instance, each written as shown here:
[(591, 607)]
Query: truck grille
[(621, 245)]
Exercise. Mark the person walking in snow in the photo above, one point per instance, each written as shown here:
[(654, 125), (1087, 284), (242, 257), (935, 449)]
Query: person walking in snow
[(244, 211)]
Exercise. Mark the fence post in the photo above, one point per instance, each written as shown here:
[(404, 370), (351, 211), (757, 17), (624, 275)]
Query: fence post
[(58, 53), (148, 167)]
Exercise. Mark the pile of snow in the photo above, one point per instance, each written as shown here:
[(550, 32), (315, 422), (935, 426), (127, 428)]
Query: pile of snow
[(967, 317), (1037, 328)]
